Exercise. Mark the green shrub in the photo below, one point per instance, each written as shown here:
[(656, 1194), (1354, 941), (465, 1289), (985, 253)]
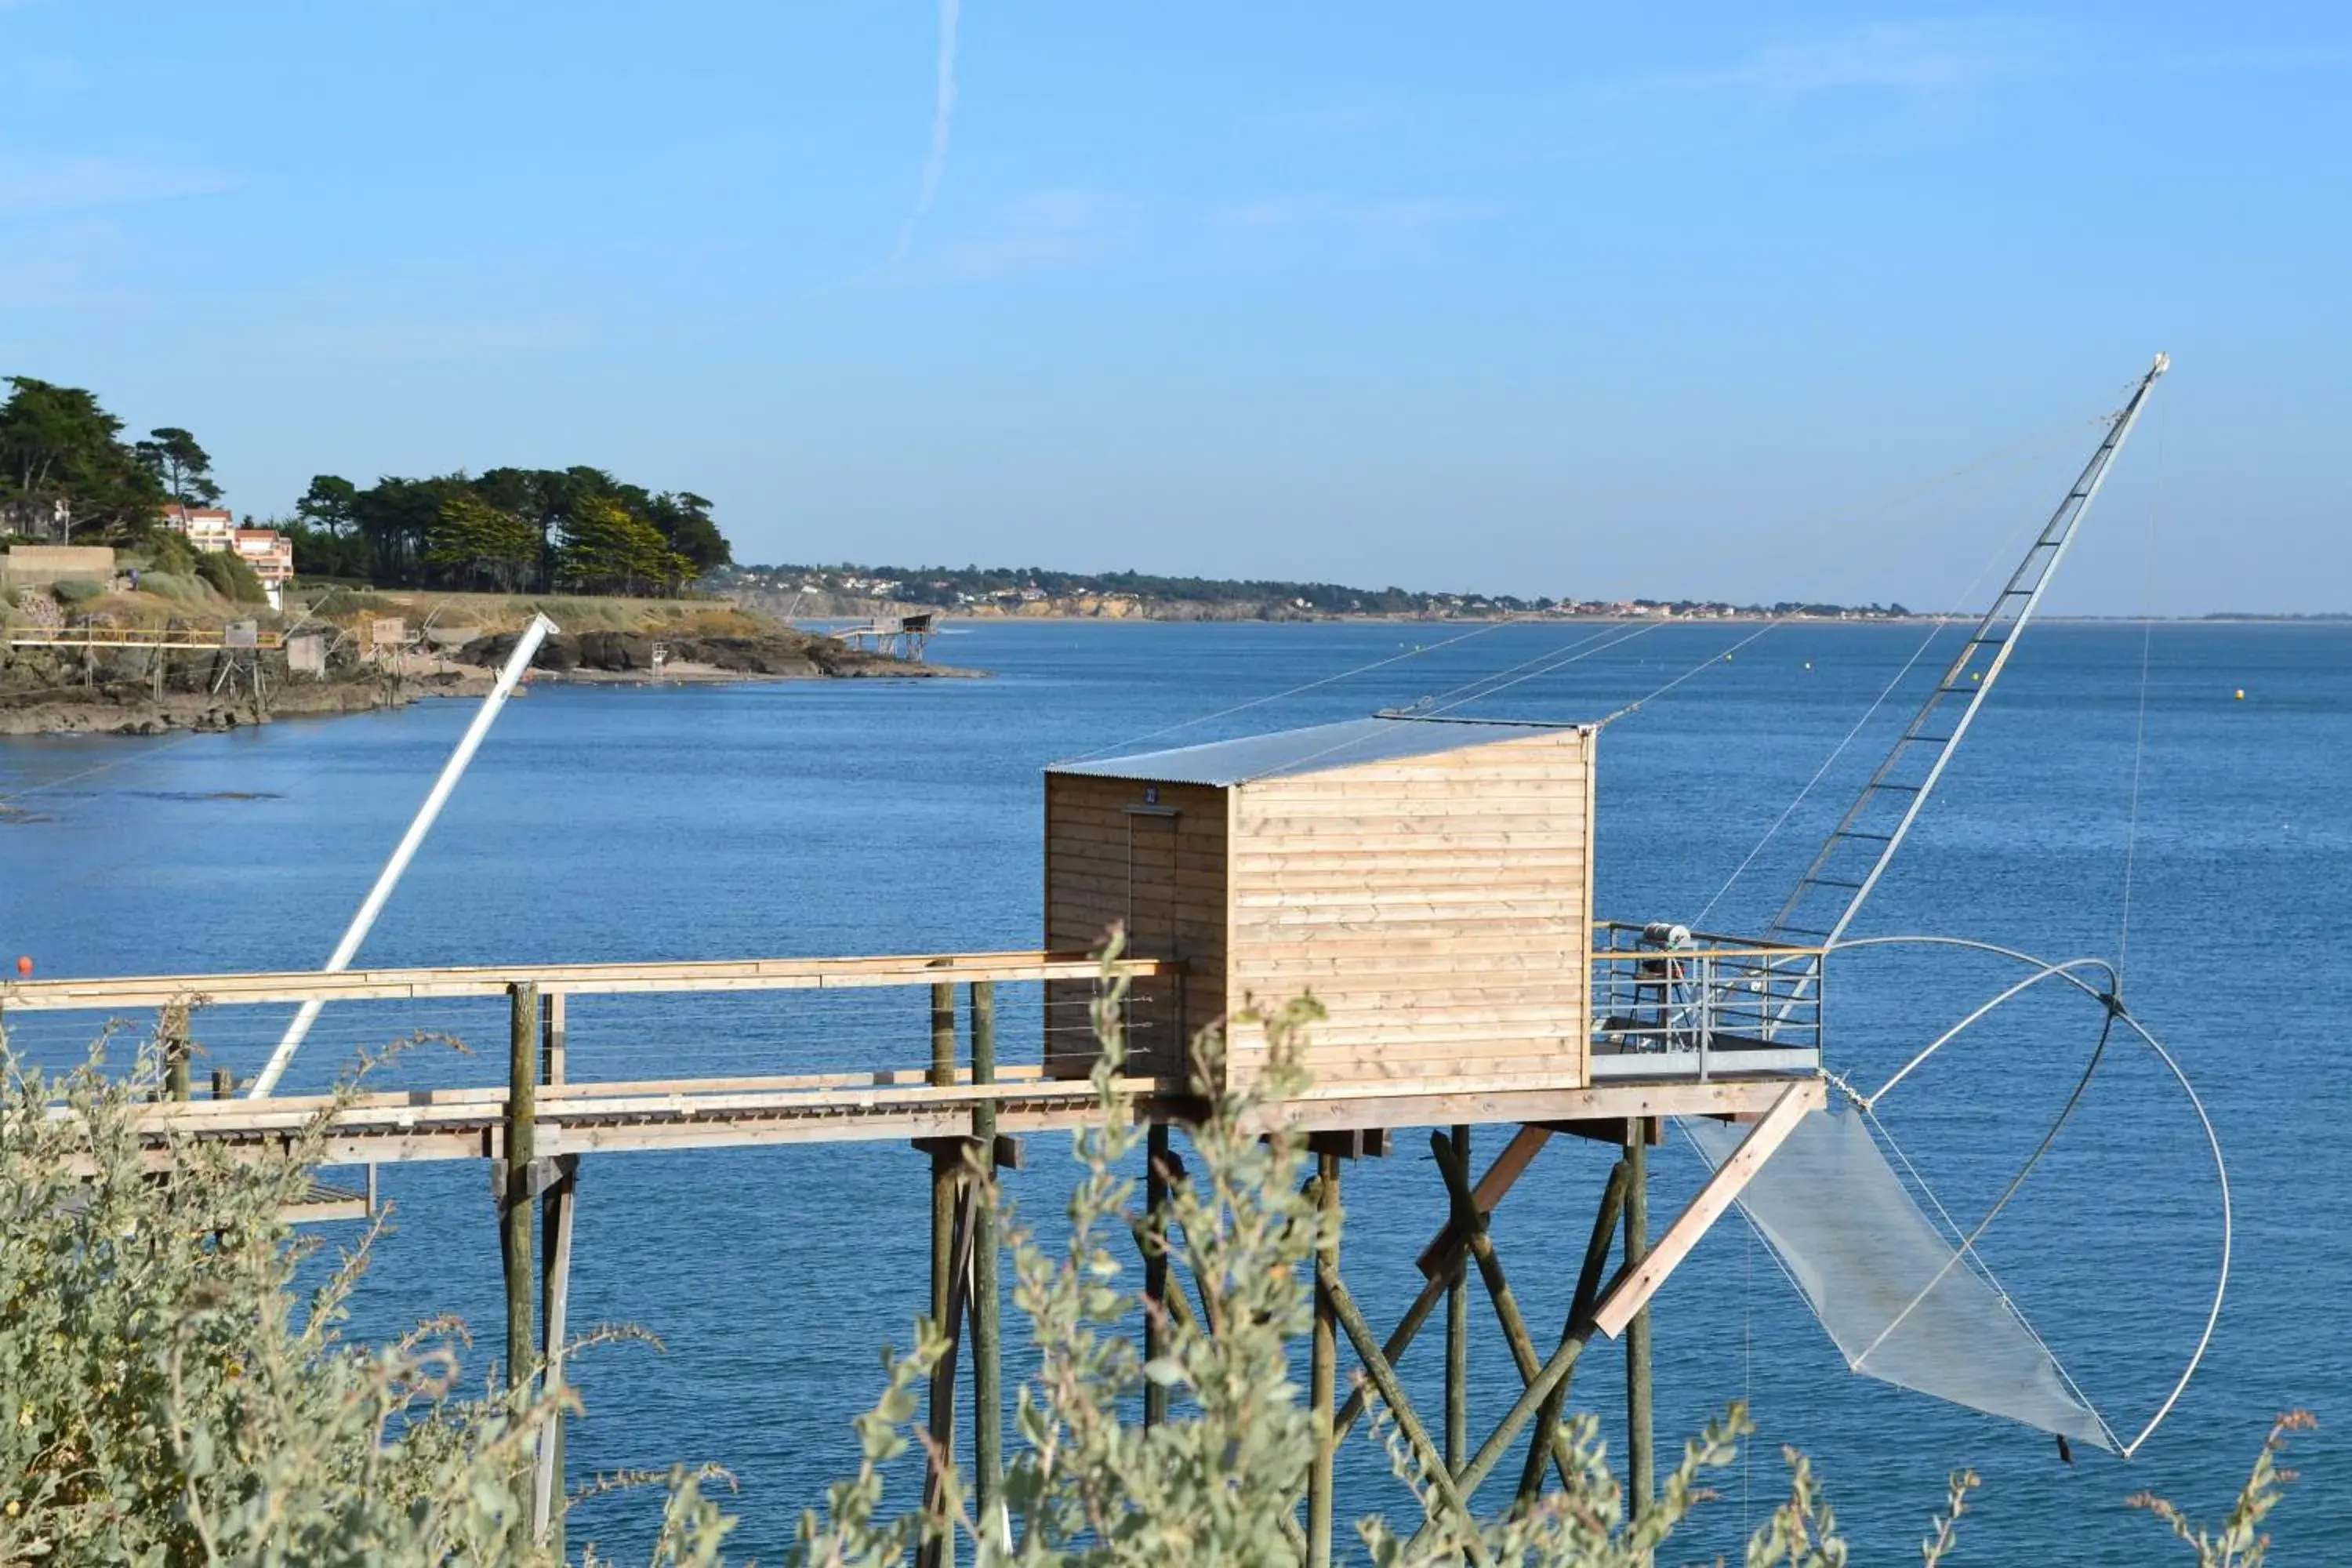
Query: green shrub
[(76, 591), (168, 1397), (180, 589), (168, 550), (231, 577)]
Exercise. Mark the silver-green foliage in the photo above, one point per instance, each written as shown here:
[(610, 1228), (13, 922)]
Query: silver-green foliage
[(171, 1393), (1219, 1482)]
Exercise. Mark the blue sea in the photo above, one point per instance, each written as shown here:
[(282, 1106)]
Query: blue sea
[(879, 817)]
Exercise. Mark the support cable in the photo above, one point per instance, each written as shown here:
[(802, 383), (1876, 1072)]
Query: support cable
[(2139, 732), (2024, 449), (2002, 552)]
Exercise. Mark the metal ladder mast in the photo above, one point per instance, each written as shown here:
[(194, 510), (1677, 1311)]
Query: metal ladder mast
[(1830, 894)]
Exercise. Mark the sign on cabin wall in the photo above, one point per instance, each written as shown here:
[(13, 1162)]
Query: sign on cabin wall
[(241, 634)]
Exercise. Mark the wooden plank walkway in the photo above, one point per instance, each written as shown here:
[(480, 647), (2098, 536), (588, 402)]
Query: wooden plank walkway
[(888, 1104)]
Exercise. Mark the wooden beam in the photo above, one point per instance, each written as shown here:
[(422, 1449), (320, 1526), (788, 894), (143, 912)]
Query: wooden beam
[(578, 979), (1612, 1130), (1506, 1169), (1351, 1143), (1641, 1281)]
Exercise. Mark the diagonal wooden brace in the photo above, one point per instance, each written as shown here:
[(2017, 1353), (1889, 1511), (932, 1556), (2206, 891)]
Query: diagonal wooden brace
[(1634, 1287), (1384, 1378), (1498, 1290), (1438, 1258), (1580, 1312)]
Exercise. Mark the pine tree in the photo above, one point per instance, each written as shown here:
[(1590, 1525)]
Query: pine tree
[(608, 550), (472, 540)]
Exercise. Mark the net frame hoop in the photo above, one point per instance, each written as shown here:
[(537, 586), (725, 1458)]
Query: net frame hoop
[(2116, 1013)]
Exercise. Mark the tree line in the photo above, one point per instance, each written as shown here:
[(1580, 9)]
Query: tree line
[(512, 530), (68, 474)]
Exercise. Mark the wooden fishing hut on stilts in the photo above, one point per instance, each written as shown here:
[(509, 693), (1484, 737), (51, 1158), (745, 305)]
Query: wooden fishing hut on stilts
[(1429, 882)]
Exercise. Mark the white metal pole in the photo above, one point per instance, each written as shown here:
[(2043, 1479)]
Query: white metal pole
[(451, 772)]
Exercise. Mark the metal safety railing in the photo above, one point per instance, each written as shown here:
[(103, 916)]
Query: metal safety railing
[(1668, 1002)]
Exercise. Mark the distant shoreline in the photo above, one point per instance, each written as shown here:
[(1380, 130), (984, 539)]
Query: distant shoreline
[(949, 618)]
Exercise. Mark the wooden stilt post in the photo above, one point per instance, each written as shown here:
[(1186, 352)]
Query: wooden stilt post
[(554, 1290), (1324, 1370), (514, 1201), (943, 1163), (1580, 1312), (987, 1366), (1155, 1268), (938, 1551), (1457, 1332), (946, 1166), (224, 1084), (1641, 1460), (555, 1312)]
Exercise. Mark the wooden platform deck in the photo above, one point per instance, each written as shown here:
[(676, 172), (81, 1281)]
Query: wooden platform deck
[(890, 1104)]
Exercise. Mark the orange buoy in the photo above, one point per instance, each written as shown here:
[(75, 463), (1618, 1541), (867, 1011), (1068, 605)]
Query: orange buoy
[(24, 966)]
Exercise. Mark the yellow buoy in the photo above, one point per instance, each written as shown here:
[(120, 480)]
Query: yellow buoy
[(1976, 674), (1808, 664), (2242, 694)]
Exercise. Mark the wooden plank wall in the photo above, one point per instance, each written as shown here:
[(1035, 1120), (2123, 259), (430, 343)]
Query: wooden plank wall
[(1114, 855), (1439, 907)]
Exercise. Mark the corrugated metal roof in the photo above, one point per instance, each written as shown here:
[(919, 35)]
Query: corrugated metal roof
[(1287, 753)]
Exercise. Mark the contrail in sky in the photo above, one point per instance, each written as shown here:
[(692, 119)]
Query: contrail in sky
[(935, 167)]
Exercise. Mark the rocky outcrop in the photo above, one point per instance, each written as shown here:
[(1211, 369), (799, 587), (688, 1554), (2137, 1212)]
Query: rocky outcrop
[(781, 655)]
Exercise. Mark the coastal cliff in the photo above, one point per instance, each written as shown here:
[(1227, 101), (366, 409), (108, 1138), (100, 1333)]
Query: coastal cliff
[(443, 646)]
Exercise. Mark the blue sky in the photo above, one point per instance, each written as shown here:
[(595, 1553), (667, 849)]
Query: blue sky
[(1512, 298)]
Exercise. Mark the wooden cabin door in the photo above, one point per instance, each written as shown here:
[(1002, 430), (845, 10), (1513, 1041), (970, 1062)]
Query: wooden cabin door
[(1154, 931)]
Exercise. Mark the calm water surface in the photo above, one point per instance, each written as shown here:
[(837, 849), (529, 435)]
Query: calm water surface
[(881, 817)]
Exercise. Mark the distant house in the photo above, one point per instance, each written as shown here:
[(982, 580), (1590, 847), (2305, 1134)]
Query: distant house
[(206, 527), (271, 555), (211, 528)]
